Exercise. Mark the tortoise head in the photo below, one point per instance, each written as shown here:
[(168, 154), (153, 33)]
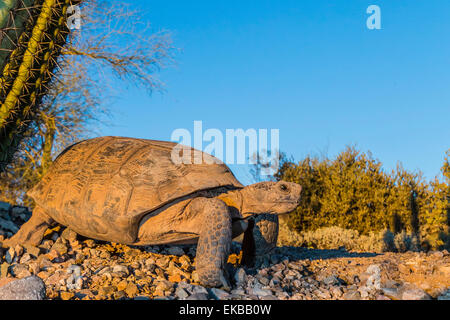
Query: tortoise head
[(270, 197)]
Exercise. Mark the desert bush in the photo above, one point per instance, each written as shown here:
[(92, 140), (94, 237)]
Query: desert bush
[(332, 238), (352, 192)]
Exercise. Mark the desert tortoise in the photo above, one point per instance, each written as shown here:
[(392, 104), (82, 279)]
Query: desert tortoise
[(130, 191)]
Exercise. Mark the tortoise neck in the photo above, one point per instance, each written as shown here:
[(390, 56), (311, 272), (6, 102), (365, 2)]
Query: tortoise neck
[(233, 199)]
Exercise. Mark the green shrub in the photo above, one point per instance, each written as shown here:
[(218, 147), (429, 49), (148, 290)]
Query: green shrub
[(332, 238), (353, 192)]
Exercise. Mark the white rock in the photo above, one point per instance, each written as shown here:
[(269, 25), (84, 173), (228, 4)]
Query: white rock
[(373, 269), (75, 270), (181, 293), (260, 292), (415, 294), (240, 277), (220, 294), (374, 280), (199, 289), (120, 268)]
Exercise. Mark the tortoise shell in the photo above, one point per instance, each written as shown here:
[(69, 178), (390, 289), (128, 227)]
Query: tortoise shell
[(101, 188)]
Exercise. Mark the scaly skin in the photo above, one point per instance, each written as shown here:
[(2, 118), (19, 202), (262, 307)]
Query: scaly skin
[(260, 238), (214, 244), (32, 232), (265, 233)]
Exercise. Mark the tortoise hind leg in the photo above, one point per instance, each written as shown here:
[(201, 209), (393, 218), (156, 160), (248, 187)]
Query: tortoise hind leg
[(266, 233), (32, 232), (260, 238)]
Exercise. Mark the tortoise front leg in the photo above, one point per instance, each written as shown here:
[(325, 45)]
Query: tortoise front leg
[(32, 232), (214, 243), (260, 238)]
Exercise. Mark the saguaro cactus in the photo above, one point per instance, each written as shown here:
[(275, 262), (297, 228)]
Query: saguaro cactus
[(32, 33)]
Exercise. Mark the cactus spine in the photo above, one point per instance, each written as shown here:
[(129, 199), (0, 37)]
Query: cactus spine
[(32, 33)]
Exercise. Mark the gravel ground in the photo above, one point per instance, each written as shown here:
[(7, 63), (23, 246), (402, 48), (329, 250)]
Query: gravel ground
[(76, 268)]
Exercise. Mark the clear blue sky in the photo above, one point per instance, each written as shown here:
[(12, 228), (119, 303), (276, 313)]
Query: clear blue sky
[(309, 68)]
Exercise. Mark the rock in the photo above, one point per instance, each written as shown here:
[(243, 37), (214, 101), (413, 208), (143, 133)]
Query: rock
[(323, 294), (122, 285), (104, 291), (8, 225), (19, 211), (121, 269), (75, 270), (132, 290), (6, 207), (20, 271), (164, 285), (18, 249), (175, 278), (364, 291), (199, 289), (352, 295), (118, 295), (263, 280), (67, 295), (445, 296), (10, 255), (373, 269), (74, 283), (260, 292), (444, 270), (175, 251), (238, 292), (163, 262), (5, 281), (270, 297), (89, 243), (181, 294), (142, 298), (69, 235), (4, 269), (195, 277), (393, 293), (331, 280), (240, 277), (415, 294), (60, 248), (44, 262), (336, 292), (25, 258), (219, 294), (31, 288), (198, 296), (150, 267), (56, 278), (374, 280)]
